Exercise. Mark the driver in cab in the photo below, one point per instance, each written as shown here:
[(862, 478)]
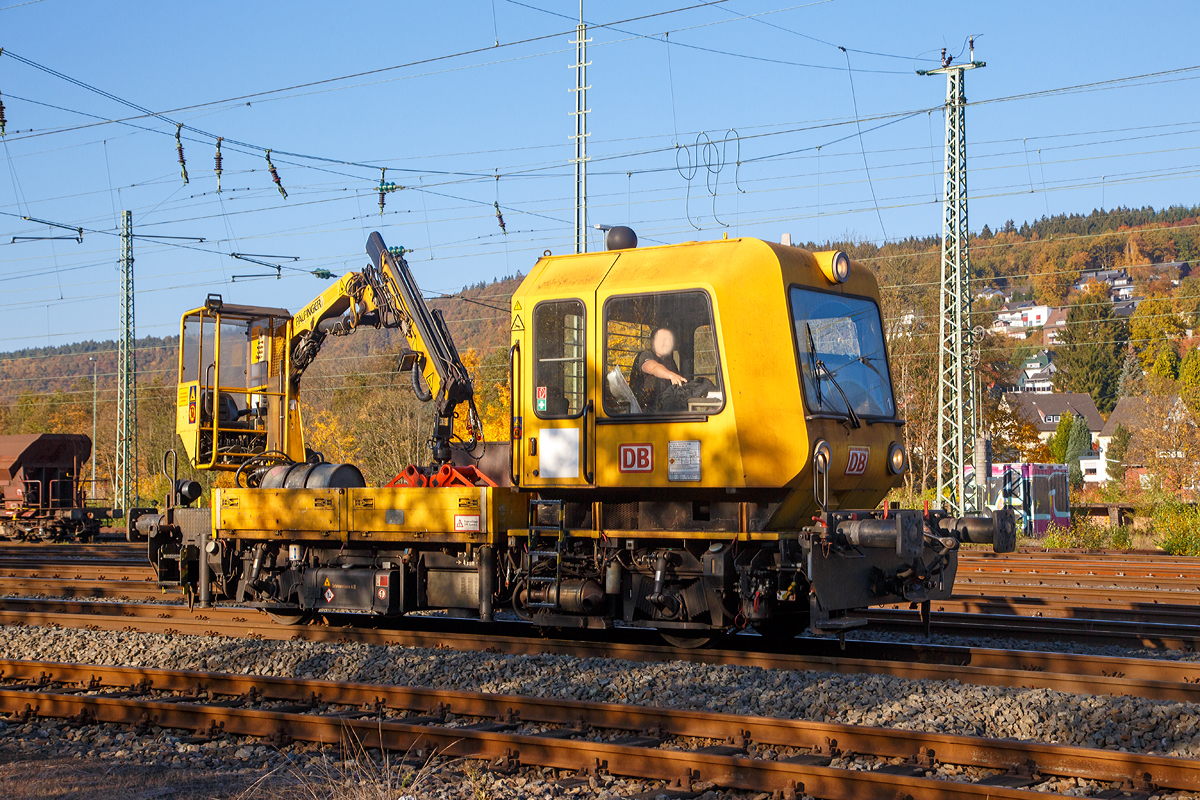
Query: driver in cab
[(655, 370)]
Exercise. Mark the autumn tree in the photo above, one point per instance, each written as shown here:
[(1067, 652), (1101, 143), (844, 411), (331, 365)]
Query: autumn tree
[(1015, 438), (1166, 363), (1189, 380), (1187, 300), (1052, 277), (1153, 323), (1167, 441)]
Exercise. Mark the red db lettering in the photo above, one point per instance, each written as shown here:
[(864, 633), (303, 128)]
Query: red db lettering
[(636, 458)]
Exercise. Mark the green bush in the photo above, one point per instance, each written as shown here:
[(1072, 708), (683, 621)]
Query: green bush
[(1084, 533), (1177, 528), (1122, 537)]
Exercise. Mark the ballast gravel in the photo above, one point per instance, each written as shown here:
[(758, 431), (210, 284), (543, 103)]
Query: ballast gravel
[(1116, 723)]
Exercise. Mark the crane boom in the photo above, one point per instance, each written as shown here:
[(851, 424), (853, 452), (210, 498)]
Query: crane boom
[(384, 294)]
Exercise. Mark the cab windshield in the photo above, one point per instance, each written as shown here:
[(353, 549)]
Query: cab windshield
[(842, 357)]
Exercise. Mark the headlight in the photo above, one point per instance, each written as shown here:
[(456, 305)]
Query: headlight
[(821, 456), (897, 461), (835, 264)]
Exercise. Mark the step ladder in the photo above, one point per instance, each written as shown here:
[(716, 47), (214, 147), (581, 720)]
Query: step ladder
[(546, 543)]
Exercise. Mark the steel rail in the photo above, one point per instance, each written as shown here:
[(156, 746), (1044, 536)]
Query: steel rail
[(108, 589), (79, 572), (1092, 596), (984, 607), (1166, 587), (1084, 674), (824, 739)]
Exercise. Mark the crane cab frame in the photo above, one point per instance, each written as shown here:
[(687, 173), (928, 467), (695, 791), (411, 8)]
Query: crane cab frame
[(235, 401)]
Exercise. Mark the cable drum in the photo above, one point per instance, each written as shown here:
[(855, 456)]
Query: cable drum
[(314, 476)]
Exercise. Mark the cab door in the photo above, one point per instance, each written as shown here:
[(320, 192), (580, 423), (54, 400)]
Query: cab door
[(559, 408)]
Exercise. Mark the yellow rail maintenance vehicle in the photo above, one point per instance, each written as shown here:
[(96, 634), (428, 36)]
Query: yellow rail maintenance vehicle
[(701, 435)]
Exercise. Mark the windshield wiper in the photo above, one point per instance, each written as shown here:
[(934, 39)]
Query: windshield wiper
[(818, 368), (812, 360)]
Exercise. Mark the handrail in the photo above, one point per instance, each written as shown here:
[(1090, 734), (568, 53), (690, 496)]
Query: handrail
[(587, 473), (514, 441)]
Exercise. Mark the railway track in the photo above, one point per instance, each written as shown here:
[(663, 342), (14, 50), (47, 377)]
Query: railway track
[(1084, 674), (730, 751), (1090, 597)]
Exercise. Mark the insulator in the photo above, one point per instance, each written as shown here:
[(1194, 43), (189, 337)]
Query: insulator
[(217, 163), (179, 150), (500, 217), (398, 252), (382, 188), (275, 176), (3, 121)]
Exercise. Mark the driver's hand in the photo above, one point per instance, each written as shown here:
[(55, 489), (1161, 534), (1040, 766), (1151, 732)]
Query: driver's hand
[(678, 380)]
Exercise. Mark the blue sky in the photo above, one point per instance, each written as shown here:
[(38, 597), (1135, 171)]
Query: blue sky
[(764, 83)]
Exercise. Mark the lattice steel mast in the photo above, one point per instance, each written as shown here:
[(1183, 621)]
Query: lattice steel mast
[(581, 133), (125, 479), (956, 369)]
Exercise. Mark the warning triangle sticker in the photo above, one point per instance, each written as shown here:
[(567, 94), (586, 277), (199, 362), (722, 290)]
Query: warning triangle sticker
[(517, 325), (517, 306), (327, 581)]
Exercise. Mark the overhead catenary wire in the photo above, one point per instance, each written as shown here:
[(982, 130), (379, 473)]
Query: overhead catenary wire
[(629, 173)]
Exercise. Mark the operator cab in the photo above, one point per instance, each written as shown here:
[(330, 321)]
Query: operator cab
[(232, 383), (704, 374)]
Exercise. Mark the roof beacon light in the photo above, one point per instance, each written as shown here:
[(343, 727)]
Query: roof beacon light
[(835, 264)]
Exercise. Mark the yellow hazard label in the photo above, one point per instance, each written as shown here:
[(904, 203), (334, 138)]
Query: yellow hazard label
[(327, 581), (517, 306), (517, 325)]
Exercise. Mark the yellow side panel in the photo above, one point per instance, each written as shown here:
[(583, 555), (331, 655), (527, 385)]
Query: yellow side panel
[(409, 510), (278, 509), (187, 417)]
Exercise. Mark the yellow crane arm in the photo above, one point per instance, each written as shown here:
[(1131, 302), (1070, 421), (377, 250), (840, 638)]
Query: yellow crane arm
[(385, 295)]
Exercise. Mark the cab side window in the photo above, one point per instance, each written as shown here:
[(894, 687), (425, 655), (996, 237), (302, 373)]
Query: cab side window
[(660, 355), (559, 358)]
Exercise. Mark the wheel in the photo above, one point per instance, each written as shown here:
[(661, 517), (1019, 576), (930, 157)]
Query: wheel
[(687, 640), (297, 617)]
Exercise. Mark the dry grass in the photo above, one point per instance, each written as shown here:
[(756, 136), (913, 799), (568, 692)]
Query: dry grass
[(369, 774)]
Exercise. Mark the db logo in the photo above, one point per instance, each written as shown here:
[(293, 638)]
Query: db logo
[(856, 463), (637, 458)]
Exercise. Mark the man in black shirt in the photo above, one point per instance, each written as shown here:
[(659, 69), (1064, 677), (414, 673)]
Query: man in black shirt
[(655, 370)]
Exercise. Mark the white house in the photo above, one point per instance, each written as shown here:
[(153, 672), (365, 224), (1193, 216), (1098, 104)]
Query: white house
[(1016, 319), (1037, 373)]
